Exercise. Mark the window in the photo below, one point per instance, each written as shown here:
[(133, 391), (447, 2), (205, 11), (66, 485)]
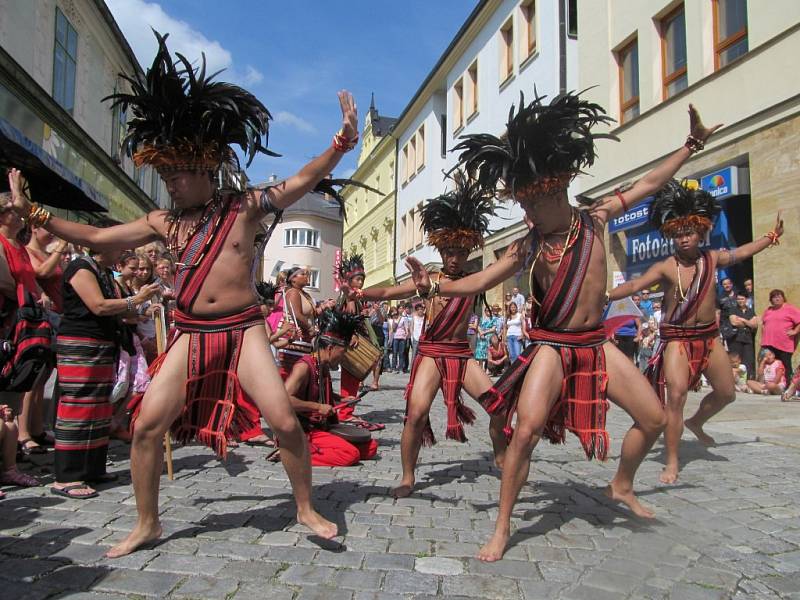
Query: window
[(418, 225), (443, 136), (155, 185), (507, 50), (405, 163), (628, 60), (572, 18), (313, 278), (403, 229), (138, 175), (119, 124), (458, 105), (65, 58), (528, 37), (412, 156), (730, 31), (389, 248), (308, 238), (419, 143), (673, 52), (472, 89)]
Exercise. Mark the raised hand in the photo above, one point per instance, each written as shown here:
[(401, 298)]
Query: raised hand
[(419, 274), (349, 114), (696, 127), (16, 182), (778, 225)]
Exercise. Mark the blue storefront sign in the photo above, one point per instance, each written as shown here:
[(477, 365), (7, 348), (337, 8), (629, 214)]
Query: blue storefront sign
[(722, 183), (633, 218)]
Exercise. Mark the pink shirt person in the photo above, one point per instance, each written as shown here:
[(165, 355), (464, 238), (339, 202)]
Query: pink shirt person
[(778, 321)]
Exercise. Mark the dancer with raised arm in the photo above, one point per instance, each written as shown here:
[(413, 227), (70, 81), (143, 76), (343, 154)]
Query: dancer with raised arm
[(561, 381), (183, 124), (690, 345), (456, 223)]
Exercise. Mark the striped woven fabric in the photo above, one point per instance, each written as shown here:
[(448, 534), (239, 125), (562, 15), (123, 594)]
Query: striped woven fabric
[(86, 371)]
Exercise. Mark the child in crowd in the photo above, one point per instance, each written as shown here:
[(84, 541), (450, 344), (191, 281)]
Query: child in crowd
[(739, 372), (771, 376)]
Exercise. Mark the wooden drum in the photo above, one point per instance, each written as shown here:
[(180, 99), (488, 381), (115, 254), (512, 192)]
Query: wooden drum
[(359, 361)]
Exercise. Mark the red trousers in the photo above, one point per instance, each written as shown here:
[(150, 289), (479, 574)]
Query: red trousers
[(348, 389), (328, 450)]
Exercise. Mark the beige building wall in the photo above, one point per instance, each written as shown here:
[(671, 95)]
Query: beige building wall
[(756, 97)]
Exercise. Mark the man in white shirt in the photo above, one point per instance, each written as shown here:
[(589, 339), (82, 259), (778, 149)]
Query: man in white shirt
[(416, 330), (518, 299)]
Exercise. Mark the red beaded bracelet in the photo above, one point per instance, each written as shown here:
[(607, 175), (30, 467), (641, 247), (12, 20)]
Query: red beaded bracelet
[(621, 199)]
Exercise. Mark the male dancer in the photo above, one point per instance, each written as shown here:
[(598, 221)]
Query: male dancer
[(689, 344), (311, 393), (456, 223), (561, 381), (351, 272), (182, 125)]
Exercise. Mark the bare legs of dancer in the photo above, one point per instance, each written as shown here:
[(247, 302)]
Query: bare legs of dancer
[(723, 392), (426, 385), (627, 388), (164, 401)]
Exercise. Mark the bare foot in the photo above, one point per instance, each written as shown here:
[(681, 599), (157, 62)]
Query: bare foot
[(701, 435), (669, 474), (630, 500), (318, 524), (138, 537), (494, 549), (404, 489)]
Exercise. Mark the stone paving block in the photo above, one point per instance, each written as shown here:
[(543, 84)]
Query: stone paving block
[(558, 572), (403, 582), (252, 590), (233, 550), (584, 592), (290, 554), (480, 586), (612, 582), (80, 554), (21, 569), (206, 588), (415, 547), (241, 570), (389, 562), (307, 575), (139, 583), (353, 579), (690, 591), (540, 590), (324, 593), (514, 569), (186, 565), (456, 549), (345, 559)]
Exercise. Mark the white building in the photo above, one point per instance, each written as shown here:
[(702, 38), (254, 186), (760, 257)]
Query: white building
[(58, 59), (504, 47), (736, 61), (309, 235)]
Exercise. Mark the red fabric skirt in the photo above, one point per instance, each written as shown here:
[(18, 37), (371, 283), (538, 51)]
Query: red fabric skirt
[(328, 450)]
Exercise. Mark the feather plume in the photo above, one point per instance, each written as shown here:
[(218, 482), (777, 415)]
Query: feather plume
[(460, 217), (546, 144), (333, 188), (677, 206), (182, 118), (266, 291), (350, 266), (336, 326)]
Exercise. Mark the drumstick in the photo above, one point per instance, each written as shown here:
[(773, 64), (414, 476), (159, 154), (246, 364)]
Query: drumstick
[(350, 402)]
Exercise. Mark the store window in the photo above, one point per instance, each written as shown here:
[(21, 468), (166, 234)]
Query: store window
[(307, 238), (730, 31), (65, 59), (673, 52), (628, 61)]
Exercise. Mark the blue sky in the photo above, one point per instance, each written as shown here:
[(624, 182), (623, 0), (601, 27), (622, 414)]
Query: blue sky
[(295, 55)]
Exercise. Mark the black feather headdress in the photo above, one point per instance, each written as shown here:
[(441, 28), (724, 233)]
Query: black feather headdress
[(682, 206), (333, 188), (545, 146), (351, 266), (458, 218), (183, 120), (337, 327), (266, 291)]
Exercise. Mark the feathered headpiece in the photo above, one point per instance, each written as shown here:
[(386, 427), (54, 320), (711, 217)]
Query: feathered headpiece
[(458, 218), (544, 148), (681, 206), (182, 120), (266, 291), (333, 188), (337, 327), (351, 266)]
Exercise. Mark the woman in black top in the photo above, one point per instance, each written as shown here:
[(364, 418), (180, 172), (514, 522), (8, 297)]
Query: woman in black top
[(744, 322), (88, 341)]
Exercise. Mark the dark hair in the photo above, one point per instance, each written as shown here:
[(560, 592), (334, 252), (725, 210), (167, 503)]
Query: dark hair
[(733, 354), (124, 257), (776, 292)]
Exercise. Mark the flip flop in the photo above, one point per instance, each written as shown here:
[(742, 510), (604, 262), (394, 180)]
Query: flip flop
[(65, 491), (268, 443), (27, 451)]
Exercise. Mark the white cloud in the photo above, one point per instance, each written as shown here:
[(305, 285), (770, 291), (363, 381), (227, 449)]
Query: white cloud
[(347, 173), (136, 17), (283, 117)]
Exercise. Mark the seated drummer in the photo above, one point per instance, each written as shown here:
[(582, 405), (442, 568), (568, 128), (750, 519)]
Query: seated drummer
[(311, 394)]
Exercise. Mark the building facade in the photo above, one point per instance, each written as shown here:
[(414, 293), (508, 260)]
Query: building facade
[(648, 60), (370, 225), (309, 235), (58, 59), (505, 47)]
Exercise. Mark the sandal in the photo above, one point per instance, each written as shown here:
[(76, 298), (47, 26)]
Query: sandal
[(27, 450), (267, 443), (65, 491), (14, 476), (44, 439), (359, 422)]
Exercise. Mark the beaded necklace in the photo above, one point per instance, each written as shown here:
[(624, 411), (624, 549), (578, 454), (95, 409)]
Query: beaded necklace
[(173, 231), (556, 251)]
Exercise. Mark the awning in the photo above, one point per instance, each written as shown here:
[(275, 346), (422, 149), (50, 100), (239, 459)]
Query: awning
[(51, 183)]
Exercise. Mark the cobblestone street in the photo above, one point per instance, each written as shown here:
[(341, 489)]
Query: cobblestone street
[(729, 529)]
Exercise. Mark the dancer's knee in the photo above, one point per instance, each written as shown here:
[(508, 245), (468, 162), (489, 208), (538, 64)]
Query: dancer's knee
[(526, 435), (676, 400), (416, 419), (284, 425), (654, 424)]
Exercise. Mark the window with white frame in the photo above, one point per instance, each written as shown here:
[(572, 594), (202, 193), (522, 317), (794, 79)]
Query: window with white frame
[(405, 164), (418, 225), (528, 34), (472, 89), (419, 142), (458, 104), (313, 278), (507, 50), (307, 238)]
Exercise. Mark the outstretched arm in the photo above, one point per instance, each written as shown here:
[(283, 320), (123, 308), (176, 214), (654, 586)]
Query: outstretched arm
[(407, 289), (652, 276), (129, 235), (295, 187), (511, 262), (731, 256), (611, 206)]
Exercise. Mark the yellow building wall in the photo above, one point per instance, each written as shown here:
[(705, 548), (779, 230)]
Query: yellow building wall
[(369, 228)]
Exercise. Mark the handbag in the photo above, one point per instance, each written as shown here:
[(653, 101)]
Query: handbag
[(28, 351)]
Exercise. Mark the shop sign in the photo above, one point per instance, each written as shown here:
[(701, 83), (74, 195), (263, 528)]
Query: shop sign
[(722, 183), (633, 218)]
